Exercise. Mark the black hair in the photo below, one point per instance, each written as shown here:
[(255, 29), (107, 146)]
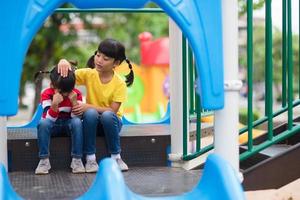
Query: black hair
[(116, 50), (64, 84)]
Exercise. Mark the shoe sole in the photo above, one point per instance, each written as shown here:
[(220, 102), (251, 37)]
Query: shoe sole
[(41, 173), (78, 172), (91, 171)]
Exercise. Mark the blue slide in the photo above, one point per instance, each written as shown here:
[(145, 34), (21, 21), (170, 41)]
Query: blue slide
[(218, 182), (6, 190)]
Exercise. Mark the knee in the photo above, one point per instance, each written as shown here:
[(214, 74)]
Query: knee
[(76, 122), (107, 116), (45, 123), (90, 114)]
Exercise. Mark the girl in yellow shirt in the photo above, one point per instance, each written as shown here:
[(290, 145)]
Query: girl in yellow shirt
[(106, 91)]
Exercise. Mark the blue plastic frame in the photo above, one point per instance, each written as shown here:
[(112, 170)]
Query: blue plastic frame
[(218, 182), (200, 21), (39, 111)]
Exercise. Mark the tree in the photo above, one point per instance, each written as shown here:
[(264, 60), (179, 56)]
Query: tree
[(50, 44), (47, 47), (259, 56), (126, 27)]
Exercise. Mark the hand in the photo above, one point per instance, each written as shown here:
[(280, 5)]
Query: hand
[(57, 98), (73, 98), (63, 67), (79, 109)]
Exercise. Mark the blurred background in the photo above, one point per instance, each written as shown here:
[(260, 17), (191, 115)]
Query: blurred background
[(75, 36)]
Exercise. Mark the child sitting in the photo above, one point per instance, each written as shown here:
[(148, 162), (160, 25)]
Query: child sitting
[(57, 102)]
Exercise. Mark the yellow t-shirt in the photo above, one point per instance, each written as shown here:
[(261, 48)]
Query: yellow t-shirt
[(100, 94)]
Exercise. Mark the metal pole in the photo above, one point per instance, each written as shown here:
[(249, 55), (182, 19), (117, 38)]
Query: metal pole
[(3, 142), (226, 120), (250, 70)]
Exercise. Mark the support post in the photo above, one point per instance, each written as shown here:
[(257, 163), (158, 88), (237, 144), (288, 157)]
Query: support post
[(175, 36), (226, 120), (3, 142)]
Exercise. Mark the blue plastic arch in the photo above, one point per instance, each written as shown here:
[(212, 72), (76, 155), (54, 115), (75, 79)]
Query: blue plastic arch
[(217, 182), (6, 190), (200, 21)]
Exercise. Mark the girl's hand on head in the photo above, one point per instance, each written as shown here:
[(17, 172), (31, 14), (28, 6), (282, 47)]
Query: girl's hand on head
[(63, 67)]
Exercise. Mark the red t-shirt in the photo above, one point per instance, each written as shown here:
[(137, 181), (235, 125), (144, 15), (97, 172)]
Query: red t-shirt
[(64, 108)]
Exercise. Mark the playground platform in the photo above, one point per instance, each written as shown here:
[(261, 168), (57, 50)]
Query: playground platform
[(148, 181)]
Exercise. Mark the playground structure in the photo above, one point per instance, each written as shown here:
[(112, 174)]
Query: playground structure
[(205, 39), (211, 54), (147, 99)]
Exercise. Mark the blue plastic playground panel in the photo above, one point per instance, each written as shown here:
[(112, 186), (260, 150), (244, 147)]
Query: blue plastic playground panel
[(6, 190), (34, 121), (218, 182), (200, 21)]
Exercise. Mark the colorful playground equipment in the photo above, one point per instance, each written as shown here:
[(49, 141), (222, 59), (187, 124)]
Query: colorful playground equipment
[(201, 22), (6, 190), (218, 182), (217, 174), (205, 41), (149, 95)]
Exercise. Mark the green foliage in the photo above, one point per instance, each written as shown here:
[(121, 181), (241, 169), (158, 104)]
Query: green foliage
[(47, 47), (243, 5), (259, 55), (50, 44), (126, 27), (243, 115)]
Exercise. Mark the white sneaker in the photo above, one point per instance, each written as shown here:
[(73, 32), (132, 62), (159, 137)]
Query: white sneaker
[(43, 167), (77, 166), (91, 166), (122, 165)]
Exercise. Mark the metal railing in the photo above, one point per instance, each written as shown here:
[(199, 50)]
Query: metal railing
[(191, 104), (287, 104)]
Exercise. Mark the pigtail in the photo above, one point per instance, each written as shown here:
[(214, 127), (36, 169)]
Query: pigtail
[(90, 63), (74, 63), (37, 74), (130, 76)]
